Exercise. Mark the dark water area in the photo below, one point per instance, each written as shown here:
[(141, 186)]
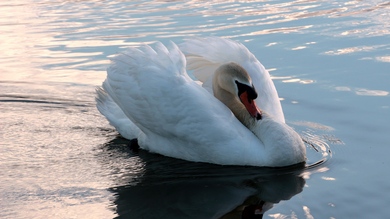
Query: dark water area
[(59, 158)]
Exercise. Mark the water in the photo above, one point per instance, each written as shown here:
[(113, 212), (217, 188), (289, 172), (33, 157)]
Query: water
[(60, 158)]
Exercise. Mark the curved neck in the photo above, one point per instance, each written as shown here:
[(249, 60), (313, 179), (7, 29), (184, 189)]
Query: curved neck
[(225, 90), (234, 104)]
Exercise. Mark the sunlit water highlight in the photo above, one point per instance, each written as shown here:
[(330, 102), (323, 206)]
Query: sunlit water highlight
[(60, 159)]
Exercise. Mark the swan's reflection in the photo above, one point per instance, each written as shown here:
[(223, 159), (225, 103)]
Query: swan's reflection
[(160, 187)]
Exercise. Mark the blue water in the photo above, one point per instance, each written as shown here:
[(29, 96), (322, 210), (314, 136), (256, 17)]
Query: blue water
[(60, 158)]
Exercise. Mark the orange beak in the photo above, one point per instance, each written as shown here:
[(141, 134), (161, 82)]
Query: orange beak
[(250, 106)]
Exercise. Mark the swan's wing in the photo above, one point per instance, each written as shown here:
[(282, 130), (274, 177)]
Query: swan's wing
[(205, 55), (115, 115), (177, 117)]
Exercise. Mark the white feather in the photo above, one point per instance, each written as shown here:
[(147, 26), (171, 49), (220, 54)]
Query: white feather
[(148, 95)]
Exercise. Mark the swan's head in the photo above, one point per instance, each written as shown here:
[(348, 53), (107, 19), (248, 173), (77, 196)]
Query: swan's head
[(233, 86)]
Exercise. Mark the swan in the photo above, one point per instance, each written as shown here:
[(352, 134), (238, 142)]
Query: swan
[(231, 117)]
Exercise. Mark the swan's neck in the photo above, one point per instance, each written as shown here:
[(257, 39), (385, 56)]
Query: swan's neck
[(261, 127), (258, 127), (244, 117), (267, 129), (282, 145), (238, 109)]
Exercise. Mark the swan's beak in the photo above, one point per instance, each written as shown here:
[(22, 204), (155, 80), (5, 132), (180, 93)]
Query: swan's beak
[(250, 106)]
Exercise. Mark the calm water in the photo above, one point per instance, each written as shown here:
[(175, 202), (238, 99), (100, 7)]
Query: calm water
[(59, 158)]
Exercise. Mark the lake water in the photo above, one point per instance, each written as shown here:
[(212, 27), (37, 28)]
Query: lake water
[(59, 158)]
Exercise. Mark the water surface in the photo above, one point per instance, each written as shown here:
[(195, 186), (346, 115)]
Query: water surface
[(60, 158)]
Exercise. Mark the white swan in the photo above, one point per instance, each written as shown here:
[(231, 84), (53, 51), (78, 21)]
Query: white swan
[(148, 95)]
